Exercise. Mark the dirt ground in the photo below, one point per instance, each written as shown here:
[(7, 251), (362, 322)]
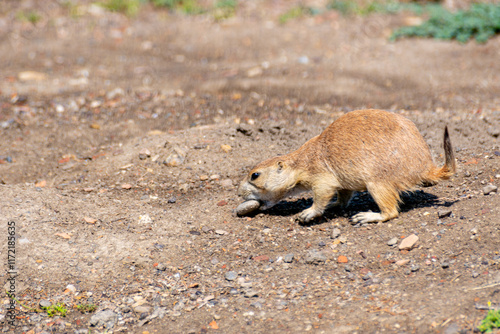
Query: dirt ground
[(123, 141)]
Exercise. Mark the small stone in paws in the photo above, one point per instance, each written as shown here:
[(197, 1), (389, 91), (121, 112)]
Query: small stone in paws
[(247, 207)]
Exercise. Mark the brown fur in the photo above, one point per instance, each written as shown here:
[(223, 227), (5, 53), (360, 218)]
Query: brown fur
[(373, 150)]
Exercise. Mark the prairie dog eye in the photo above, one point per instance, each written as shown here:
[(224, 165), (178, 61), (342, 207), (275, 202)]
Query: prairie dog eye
[(254, 176)]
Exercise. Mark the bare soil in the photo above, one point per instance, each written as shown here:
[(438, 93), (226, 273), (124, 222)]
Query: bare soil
[(82, 97)]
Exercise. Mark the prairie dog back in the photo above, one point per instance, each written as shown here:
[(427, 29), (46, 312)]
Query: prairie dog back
[(376, 145)]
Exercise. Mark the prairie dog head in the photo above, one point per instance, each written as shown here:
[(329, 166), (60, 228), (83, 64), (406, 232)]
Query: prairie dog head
[(268, 182)]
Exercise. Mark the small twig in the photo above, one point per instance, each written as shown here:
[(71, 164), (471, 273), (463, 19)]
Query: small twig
[(447, 321), (485, 286)]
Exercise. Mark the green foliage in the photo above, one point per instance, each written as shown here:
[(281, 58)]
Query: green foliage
[(86, 308), (224, 9), (128, 7), (186, 6), (30, 16), (295, 12), (481, 22), (56, 309), (491, 321), (349, 7)]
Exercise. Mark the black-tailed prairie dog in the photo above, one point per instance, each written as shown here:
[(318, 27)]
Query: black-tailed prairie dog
[(374, 150)]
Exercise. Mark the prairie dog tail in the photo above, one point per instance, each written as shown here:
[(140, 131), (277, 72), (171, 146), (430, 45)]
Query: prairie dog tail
[(450, 166)]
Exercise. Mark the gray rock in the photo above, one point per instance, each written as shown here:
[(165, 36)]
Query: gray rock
[(494, 132), (392, 242), (288, 258), (142, 309), (490, 188), (336, 233), (231, 275), (106, 318), (445, 264), (251, 293), (245, 129), (161, 267), (442, 213), (247, 207), (45, 303), (176, 158), (314, 256), (144, 154), (415, 268), (475, 274)]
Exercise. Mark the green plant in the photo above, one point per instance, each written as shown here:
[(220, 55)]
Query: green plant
[(491, 321), (186, 6), (481, 22), (128, 7), (56, 309), (296, 12), (31, 16), (349, 7), (86, 308), (224, 9), (23, 305)]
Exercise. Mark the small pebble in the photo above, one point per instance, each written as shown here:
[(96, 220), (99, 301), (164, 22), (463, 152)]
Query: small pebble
[(415, 268), (490, 188), (408, 242), (45, 303), (475, 274), (288, 258), (231, 275), (315, 257), (336, 233), (144, 154), (251, 293), (442, 213), (494, 132), (402, 262), (392, 242), (445, 264)]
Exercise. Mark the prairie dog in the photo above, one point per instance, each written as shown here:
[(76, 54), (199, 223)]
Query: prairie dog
[(373, 150)]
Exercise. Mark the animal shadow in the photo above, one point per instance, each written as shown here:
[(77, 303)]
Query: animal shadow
[(360, 202)]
